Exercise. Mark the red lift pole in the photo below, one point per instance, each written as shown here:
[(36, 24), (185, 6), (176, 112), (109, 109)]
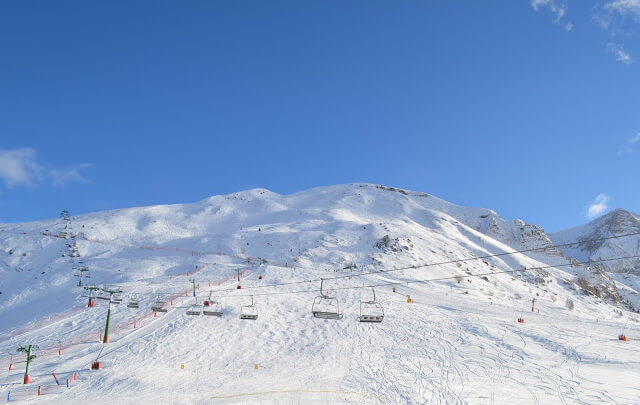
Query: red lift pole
[(91, 289)]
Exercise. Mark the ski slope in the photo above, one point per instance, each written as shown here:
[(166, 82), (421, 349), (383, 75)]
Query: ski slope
[(457, 342)]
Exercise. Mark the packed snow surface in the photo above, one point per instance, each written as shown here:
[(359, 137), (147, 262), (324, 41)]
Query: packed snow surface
[(449, 335)]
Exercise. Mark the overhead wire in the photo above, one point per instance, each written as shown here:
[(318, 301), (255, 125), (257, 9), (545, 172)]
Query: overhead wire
[(386, 284), (384, 271)]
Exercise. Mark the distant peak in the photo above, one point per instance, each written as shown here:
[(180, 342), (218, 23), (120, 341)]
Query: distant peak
[(618, 214), (618, 221), (621, 211)]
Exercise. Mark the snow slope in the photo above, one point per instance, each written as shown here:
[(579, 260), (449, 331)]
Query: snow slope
[(458, 341)]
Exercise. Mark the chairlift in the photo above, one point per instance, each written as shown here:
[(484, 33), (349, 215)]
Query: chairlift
[(111, 288), (160, 305), (116, 298), (212, 307), (195, 309), (134, 301), (103, 295), (622, 336), (249, 311), (325, 306), (371, 311)]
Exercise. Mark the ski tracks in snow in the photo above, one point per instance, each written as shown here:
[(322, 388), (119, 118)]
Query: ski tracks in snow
[(443, 359)]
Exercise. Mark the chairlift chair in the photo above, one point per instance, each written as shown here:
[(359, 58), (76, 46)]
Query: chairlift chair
[(160, 305), (116, 298), (371, 311), (102, 295), (325, 306), (212, 307), (249, 311), (195, 310), (134, 301)]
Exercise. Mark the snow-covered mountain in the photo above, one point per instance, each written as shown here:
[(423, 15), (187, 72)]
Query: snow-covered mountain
[(458, 340), (620, 279), (516, 233), (617, 222), (617, 281)]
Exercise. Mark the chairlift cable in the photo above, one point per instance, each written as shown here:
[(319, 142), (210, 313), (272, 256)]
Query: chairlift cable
[(394, 283), (434, 264)]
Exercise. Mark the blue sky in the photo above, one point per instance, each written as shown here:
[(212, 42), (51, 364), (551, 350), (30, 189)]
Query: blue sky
[(527, 107)]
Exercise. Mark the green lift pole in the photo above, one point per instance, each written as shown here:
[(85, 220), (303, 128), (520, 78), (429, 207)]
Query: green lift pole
[(30, 357), (110, 291), (105, 339)]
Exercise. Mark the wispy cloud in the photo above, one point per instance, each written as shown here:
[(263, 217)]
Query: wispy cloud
[(557, 8), (72, 174), (20, 167), (618, 18), (613, 14), (628, 147), (624, 8), (622, 56), (598, 206)]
